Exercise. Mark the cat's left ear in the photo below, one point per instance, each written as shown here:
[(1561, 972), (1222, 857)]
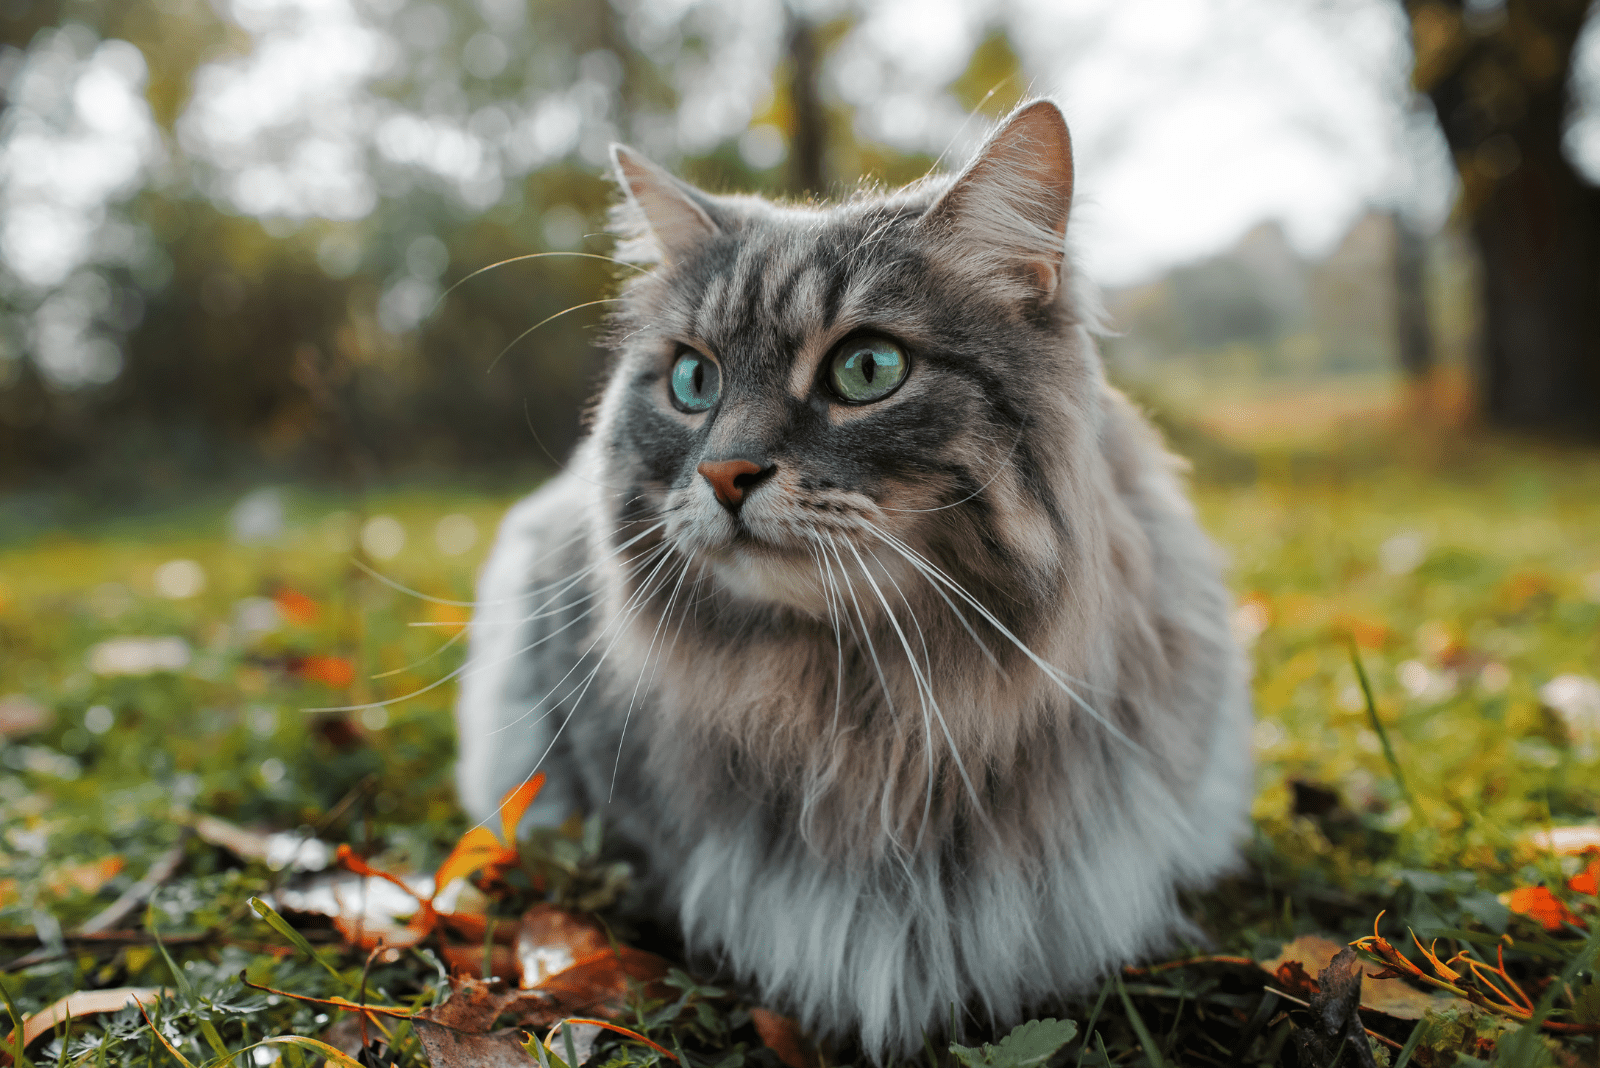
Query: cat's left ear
[(1012, 202), (661, 219)]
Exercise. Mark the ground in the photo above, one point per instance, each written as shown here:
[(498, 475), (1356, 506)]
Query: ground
[(1461, 572)]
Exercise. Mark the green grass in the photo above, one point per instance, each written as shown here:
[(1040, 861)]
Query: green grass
[(1492, 589)]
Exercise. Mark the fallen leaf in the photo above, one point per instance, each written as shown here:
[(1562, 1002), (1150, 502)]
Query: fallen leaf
[(551, 940), (86, 878), (1310, 954), (467, 959), (1588, 880), (1335, 1019), (277, 849), (479, 849), (456, 1033), (598, 985), (784, 1037), (332, 671), (84, 1003), (295, 606), (1538, 903)]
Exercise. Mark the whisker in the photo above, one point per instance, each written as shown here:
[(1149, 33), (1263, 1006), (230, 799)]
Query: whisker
[(645, 666), (529, 256), (885, 815), (457, 636), (929, 701), (546, 319), (471, 668), (1060, 678), (657, 556)]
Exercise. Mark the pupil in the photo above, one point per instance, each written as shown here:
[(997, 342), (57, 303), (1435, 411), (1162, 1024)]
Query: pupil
[(869, 368), (699, 377)]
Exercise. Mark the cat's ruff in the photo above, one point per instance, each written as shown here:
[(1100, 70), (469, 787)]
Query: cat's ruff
[(876, 623)]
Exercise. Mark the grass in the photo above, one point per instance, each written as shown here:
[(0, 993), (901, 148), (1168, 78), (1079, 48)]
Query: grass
[(1464, 574)]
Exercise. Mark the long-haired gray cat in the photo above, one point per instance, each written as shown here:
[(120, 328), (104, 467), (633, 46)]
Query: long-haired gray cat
[(867, 611)]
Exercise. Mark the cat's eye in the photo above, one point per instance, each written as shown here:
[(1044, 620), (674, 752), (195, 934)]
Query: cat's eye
[(696, 383), (867, 368)]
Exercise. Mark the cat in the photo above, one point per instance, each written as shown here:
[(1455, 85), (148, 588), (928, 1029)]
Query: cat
[(867, 612)]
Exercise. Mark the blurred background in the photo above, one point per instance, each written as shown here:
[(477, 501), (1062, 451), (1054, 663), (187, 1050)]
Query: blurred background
[(226, 226)]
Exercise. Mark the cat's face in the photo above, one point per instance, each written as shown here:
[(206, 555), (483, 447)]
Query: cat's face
[(803, 394)]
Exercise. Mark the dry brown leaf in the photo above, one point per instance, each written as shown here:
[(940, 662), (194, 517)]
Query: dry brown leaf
[(467, 960), (457, 1033), (551, 940), (1392, 997), (784, 1037), (85, 1003)]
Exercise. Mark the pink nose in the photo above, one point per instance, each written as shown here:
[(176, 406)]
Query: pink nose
[(731, 478)]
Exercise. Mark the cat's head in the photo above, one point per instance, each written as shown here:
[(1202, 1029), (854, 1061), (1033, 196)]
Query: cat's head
[(804, 388)]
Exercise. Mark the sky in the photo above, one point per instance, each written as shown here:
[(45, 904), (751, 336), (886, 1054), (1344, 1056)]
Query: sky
[(1192, 120)]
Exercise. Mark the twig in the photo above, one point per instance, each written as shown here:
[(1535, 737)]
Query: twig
[(165, 867)]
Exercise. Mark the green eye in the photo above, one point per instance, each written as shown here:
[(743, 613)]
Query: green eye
[(867, 369), (696, 383)]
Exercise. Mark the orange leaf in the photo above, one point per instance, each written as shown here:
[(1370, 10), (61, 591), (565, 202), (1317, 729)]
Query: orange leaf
[(1588, 880), (1538, 903), (349, 859), (334, 671), (295, 606), (478, 849), (514, 804)]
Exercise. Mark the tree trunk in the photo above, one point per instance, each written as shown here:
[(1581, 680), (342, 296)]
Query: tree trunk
[(1500, 86), (1414, 333), (1541, 276), (810, 123)]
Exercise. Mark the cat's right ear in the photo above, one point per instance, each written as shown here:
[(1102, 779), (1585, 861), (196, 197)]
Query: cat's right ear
[(660, 220)]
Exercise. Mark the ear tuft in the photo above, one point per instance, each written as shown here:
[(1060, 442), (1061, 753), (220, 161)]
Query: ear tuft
[(660, 219), (1011, 203)]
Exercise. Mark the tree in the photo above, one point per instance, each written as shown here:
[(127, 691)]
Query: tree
[(1499, 78)]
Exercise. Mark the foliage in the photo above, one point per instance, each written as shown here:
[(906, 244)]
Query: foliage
[(1460, 571)]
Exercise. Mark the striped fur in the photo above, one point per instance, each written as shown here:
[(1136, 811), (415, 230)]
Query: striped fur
[(950, 712)]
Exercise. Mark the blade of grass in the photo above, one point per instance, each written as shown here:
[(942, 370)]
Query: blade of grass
[(1377, 725), (1403, 1058), (14, 1043), (161, 1038), (185, 990), (334, 1056), (566, 1041), (298, 940), (1151, 1052), (1094, 1017)]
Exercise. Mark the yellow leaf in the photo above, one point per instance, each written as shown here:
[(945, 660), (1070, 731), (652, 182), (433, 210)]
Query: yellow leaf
[(513, 805), (478, 849)]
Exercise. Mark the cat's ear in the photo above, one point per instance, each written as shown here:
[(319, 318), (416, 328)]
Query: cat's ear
[(660, 219), (1012, 202)]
